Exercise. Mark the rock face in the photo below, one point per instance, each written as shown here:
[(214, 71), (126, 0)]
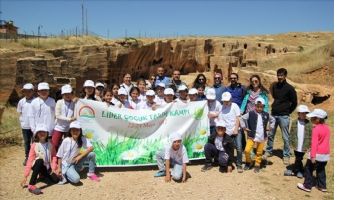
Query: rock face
[(109, 63)]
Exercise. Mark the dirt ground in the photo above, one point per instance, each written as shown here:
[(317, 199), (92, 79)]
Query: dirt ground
[(139, 183)]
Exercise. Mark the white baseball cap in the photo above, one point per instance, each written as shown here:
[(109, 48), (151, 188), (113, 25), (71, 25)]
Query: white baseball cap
[(220, 123), (28, 86), (182, 88), (169, 91), (318, 113), (43, 86), (150, 93), (303, 109), (75, 124), (193, 91), (66, 89), (98, 84), (122, 91), (41, 127), (175, 136), (261, 100), (211, 94), (89, 83), (161, 85), (226, 96)]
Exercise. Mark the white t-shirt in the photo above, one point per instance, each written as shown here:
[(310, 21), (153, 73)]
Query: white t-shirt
[(229, 115), (177, 157), (215, 107), (64, 111), (69, 149), (159, 100), (218, 143), (181, 102), (126, 87), (259, 132), (42, 112), (115, 101), (144, 105), (134, 105), (142, 97), (23, 107), (300, 135)]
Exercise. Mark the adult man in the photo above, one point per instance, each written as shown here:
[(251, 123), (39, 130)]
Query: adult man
[(219, 88), (236, 89), (127, 84), (161, 78), (176, 82), (285, 102)]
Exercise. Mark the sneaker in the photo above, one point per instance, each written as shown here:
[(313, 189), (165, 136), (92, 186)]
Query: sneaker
[(247, 166), (286, 160), (239, 169), (322, 189), (206, 167), (24, 162), (160, 174), (302, 187), (288, 173), (62, 181), (299, 175), (268, 154), (34, 190), (93, 177), (223, 169), (256, 169)]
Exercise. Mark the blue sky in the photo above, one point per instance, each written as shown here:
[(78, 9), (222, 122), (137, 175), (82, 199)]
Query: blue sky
[(171, 17)]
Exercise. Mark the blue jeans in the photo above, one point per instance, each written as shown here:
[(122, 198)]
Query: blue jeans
[(27, 138), (283, 122), (238, 143), (71, 170)]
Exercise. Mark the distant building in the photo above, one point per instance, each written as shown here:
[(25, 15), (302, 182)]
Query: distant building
[(8, 27)]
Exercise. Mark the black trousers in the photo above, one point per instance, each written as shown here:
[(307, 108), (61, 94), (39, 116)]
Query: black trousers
[(298, 167), (321, 180), (40, 168)]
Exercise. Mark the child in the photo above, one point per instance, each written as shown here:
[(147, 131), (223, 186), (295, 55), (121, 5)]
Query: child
[(134, 100), (89, 90), (42, 110), (149, 103), (182, 90), (300, 139), (168, 96), (319, 153), (42, 160), (142, 86), (214, 108), (175, 156), (99, 89), (70, 159), (192, 94), (122, 98), (114, 89), (201, 93), (159, 98), (23, 107), (220, 145), (256, 124), (107, 97), (64, 113)]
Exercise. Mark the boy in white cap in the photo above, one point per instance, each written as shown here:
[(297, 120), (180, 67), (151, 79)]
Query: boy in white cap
[(175, 157), (149, 103), (23, 108), (42, 110), (71, 158), (192, 94), (64, 113), (214, 108), (42, 160), (220, 146), (319, 154), (168, 96), (183, 92), (300, 140), (122, 99), (256, 123), (230, 114), (159, 98)]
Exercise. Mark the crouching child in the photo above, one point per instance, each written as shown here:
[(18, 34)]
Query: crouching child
[(255, 123), (173, 160), (220, 146), (41, 160), (71, 160)]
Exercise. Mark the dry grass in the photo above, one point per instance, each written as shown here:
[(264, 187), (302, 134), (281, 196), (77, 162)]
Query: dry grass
[(10, 130)]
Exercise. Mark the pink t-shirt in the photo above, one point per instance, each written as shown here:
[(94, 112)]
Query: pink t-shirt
[(320, 140)]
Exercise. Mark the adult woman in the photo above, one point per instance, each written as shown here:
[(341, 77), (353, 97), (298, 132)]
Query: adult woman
[(255, 90), (200, 80)]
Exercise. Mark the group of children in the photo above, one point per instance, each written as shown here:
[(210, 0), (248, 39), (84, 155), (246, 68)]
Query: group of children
[(53, 136)]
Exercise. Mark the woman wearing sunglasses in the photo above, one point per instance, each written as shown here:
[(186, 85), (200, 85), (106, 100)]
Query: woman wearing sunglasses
[(255, 90)]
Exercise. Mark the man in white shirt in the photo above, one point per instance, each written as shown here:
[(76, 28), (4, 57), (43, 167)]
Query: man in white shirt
[(214, 108), (42, 110), (23, 108)]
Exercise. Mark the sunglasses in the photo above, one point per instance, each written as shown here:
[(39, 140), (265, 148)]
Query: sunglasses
[(255, 81), (176, 74), (201, 79), (233, 78), (217, 77)]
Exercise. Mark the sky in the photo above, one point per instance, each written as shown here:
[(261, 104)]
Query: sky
[(171, 18)]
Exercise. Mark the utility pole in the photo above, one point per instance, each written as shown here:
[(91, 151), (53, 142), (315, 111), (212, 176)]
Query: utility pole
[(39, 33), (108, 33), (82, 17), (86, 19)]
